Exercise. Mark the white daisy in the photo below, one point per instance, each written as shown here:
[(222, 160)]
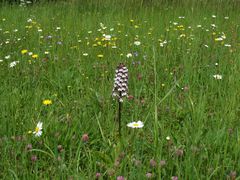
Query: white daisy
[(38, 129), (12, 64), (138, 124)]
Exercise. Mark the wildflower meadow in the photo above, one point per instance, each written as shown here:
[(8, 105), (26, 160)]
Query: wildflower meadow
[(120, 90)]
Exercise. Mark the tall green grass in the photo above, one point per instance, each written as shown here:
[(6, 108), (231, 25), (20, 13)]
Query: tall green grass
[(175, 93)]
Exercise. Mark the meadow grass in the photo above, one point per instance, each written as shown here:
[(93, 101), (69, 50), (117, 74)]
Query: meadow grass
[(191, 117)]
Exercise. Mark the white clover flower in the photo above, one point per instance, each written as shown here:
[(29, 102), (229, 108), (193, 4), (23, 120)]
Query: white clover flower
[(138, 124), (38, 129), (217, 76), (14, 63)]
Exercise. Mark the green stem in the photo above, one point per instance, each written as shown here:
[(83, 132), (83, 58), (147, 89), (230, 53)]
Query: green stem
[(119, 117)]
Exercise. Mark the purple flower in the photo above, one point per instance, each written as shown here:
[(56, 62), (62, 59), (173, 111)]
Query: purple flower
[(120, 178), (98, 175), (120, 87)]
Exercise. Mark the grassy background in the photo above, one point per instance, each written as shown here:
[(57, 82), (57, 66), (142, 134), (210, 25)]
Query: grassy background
[(173, 87)]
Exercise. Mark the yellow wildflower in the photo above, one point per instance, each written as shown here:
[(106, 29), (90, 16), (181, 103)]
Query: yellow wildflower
[(47, 102), (34, 56), (100, 56), (24, 51)]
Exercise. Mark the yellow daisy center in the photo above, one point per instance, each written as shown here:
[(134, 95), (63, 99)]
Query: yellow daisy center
[(135, 125), (37, 129)]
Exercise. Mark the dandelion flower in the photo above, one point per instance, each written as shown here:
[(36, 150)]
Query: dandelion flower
[(34, 56), (38, 129), (47, 102), (138, 124), (24, 51)]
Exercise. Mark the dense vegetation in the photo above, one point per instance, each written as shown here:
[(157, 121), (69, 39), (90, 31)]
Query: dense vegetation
[(57, 67)]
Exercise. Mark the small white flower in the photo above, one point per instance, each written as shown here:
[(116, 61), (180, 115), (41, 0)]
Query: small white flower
[(58, 28), (227, 45), (206, 45), (213, 25), (12, 64), (199, 25), (38, 129), (226, 17), (30, 53), (217, 76), (214, 16), (137, 43), (107, 37), (219, 39), (168, 138), (7, 57), (1, 60), (29, 20), (129, 55), (138, 124), (85, 54)]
